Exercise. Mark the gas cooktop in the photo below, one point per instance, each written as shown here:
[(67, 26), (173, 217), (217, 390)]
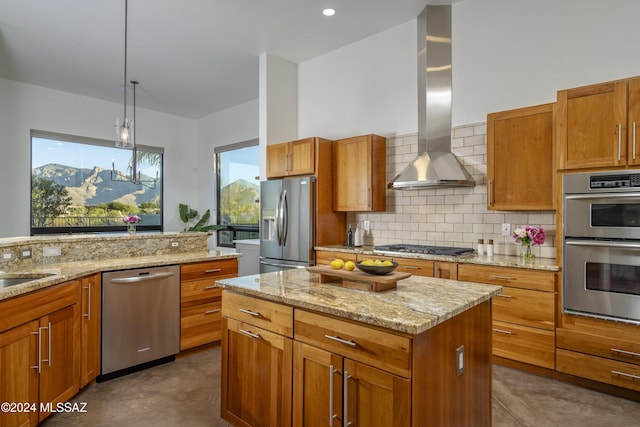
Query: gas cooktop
[(422, 249)]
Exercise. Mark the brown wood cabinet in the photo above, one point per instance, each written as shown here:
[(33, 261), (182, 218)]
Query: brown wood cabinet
[(520, 159), (40, 350), (325, 257), (359, 174), (90, 327), (600, 350), (524, 314), (257, 351), (292, 158), (201, 301), (596, 125), (346, 371)]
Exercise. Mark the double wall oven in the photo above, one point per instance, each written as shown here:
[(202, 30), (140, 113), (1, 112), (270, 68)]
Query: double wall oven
[(601, 248)]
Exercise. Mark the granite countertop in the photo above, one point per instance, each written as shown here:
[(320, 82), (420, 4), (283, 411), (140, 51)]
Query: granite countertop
[(548, 264), (62, 272), (417, 304)]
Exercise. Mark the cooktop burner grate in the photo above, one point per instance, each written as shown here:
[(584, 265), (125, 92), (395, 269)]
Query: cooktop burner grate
[(423, 249)]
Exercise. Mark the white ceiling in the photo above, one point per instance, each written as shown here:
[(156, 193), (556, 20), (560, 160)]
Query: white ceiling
[(191, 57)]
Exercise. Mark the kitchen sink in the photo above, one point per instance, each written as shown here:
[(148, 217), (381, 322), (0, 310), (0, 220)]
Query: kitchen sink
[(5, 282)]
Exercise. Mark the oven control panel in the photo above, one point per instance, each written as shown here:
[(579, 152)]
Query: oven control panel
[(614, 181)]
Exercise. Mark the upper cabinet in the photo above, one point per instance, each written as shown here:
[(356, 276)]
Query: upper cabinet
[(292, 158), (596, 125), (520, 164), (359, 174)]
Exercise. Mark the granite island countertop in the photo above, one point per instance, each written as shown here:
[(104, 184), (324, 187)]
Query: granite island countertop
[(63, 272), (547, 264), (417, 304)]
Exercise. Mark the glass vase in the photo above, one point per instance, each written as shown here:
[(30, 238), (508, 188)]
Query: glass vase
[(527, 256), (131, 228)]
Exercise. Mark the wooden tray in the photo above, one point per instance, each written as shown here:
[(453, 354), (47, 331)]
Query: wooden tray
[(357, 279)]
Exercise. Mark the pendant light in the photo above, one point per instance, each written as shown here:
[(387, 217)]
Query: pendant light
[(124, 131)]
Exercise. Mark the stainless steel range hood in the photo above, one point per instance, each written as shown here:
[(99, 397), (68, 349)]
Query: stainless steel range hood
[(436, 166)]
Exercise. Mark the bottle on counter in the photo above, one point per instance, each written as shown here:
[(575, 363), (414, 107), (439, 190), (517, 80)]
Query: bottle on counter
[(349, 236), (480, 247), (490, 248), (357, 236)]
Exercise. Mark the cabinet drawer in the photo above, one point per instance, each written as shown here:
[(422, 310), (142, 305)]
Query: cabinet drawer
[(363, 343), (325, 257), (267, 315), (524, 344), (595, 368), (198, 292), (513, 277), (525, 307), (624, 350), (200, 324), (419, 267), (217, 268)]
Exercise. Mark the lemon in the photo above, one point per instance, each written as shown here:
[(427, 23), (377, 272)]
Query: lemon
[(367, 262), (337, 263), (377, 262), (386, 263), (349, 265)]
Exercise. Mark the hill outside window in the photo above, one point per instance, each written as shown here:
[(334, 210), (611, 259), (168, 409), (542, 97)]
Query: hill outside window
[(237, 192), (72, 190)]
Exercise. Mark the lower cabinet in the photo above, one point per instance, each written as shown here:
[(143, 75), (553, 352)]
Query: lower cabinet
[(39, 351), (90, 328)]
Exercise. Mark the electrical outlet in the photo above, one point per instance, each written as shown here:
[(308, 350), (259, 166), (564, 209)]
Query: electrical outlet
[(506, 229), (25, 253), (460, 360), (6, 256), (51, 251), (366, 225), (175, 244)]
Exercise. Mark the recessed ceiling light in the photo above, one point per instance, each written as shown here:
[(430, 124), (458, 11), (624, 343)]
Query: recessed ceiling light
[(329, 12)]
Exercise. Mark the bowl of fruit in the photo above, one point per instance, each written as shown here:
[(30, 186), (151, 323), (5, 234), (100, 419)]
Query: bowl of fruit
[(376, 266)]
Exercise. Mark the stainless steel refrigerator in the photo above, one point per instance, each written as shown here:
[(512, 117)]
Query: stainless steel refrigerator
[(287, 238)]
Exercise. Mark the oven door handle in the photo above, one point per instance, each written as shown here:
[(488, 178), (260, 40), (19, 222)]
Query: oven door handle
[(600, 243), (602, 196)]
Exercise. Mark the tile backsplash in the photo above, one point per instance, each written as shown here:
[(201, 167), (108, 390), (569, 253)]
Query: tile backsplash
[(449, 216)]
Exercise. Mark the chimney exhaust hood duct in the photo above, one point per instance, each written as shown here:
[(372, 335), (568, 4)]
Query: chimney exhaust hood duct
[(435, 166)]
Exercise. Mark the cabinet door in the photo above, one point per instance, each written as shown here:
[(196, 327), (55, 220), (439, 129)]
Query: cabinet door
[(520, 141), (90, 327), (325, 257), (200, 324), (256, 376), (19, 373), (277, 160), (634, 122), (317, 387), (60, 362), (301, 157), (592, 126), (445, 270), (375, 398)]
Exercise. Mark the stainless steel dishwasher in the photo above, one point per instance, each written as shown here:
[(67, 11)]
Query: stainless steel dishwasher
[(140, 319)]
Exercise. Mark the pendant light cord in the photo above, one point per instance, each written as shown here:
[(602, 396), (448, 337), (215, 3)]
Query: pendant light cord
[(126, 14)]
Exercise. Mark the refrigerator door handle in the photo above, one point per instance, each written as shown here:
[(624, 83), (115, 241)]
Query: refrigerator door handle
[(285, 217), (279, 220)]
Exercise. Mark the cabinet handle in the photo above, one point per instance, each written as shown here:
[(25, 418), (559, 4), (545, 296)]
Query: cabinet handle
[(39, 350), (285, 166), (501, 277), (88, 315), (369, 197), (289, 163), (628, 353), (622, 374), (341, 341), (332, 416), (489, 198), (504, 296), (251, 334), (213, 270), (249, 312), (502, 331), (208, 288), (48, 359), (345, 391), (634, 141), (410, 267), (215, 310), (619, 141)]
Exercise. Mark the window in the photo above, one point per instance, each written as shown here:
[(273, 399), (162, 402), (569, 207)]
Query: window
[(237, 189), (74, 190)]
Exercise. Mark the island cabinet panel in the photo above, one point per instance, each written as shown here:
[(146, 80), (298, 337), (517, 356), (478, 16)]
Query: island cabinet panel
[(325, 257), (419, 267), (90, 327), (608, 351), (201, 301), (521, 140), (524, 314), (40, 350)]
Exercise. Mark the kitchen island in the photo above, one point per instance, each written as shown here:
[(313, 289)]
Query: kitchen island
[(299, 352)]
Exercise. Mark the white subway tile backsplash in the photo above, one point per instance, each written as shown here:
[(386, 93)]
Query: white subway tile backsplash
[(449, 216)]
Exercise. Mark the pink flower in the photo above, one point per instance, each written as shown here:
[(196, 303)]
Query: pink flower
[(131, 219), (529, 235)]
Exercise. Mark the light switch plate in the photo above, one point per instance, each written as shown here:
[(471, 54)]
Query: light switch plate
[(506, 229)]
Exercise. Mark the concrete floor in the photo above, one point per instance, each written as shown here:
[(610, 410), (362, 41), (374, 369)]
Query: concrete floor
[(187, 393)]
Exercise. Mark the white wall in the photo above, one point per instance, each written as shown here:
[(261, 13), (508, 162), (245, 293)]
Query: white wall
[(506, 54), (24, 107)]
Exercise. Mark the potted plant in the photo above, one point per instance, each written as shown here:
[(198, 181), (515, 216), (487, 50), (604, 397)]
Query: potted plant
[(193, 222)]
